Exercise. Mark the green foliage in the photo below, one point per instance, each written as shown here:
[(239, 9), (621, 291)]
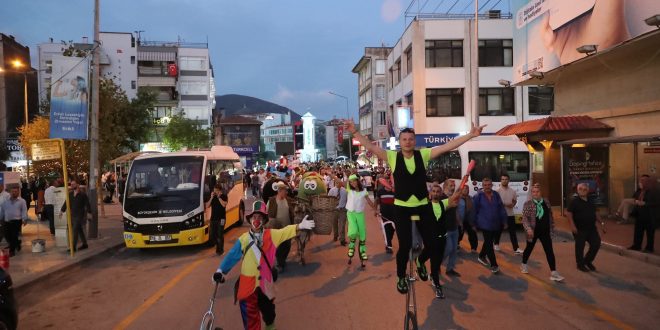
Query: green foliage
[(182, 132)]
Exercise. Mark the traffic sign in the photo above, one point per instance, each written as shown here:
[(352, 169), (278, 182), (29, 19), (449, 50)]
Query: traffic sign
[(46, 150)]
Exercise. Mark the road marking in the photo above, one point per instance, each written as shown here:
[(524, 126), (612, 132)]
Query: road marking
[(161, 292), (567, 296)]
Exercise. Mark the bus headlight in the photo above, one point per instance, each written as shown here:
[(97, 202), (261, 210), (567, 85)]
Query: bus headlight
[(194, 222), (130, 225)]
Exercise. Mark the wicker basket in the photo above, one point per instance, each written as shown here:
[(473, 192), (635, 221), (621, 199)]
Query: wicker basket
[(324, 213)]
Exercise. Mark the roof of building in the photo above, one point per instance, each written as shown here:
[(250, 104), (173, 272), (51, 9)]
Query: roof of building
[(554, 124), (616, 139), (235, 104), (238, 120)]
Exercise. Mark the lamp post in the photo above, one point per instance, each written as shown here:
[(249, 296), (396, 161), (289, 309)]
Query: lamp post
[(18, 65), (350, 142)]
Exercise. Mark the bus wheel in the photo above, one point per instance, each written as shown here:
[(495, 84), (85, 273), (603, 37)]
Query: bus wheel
[(241, 214)]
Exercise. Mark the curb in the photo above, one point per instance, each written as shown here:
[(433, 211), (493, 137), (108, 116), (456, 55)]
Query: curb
[(617, 249)]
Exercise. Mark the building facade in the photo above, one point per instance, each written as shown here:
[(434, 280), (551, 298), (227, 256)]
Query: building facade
[(242, 134), (372, 92)]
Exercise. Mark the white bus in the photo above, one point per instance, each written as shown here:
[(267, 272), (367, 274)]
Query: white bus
[(163, 204), (494, 155)]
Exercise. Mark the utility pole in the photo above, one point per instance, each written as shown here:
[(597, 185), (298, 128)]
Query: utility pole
[(94, 132), (474, 67), (348, 117)]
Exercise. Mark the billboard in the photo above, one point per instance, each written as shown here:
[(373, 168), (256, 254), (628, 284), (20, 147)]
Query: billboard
[(546, 33), (588, 165), (69, 98)]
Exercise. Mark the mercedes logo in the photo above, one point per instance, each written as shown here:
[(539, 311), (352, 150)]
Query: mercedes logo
[(159, 227)]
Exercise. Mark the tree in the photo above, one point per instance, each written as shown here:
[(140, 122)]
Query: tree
[(182, 132)]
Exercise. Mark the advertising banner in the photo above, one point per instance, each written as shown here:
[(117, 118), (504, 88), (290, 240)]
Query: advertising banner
[(69, 98), (547, 33), (587, 165)]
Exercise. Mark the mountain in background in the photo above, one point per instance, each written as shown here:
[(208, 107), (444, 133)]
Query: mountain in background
[(234, 104)]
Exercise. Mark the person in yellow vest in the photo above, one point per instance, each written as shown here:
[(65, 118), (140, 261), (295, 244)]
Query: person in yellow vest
[(255, 286)]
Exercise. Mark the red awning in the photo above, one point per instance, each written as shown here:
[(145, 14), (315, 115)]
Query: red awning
[(554, 124)]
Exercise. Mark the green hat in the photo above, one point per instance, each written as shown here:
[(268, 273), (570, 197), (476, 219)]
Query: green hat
[(353, 177)]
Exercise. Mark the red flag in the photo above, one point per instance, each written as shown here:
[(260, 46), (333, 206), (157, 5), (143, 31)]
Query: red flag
[(340, 134), (172, 70)]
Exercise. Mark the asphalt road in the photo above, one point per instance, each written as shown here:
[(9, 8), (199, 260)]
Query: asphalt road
[(170, 289)]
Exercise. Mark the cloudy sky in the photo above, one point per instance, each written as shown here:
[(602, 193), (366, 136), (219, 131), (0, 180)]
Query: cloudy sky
[(286, 51)]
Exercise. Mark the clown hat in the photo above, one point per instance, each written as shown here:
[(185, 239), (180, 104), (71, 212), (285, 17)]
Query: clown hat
[(258, 207)]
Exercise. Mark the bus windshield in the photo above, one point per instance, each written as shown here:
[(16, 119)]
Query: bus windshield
[(162, 186), (494, 164)]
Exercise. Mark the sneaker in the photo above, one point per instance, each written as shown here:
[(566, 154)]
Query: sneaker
[(582, 268), (590, 266), (452, 272), (554, 276), (421, 271), (388, 250), (519, 251), (402, 285), (351, 252), (438, 291), (495, 270), (82, 247), (524, 269), (496, 247), (483, 261)]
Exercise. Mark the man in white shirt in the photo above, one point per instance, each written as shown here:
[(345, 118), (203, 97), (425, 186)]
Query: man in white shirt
[(49, 205), (509, 200), (339, 226)]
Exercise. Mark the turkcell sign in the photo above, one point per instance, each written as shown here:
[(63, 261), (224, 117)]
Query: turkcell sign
[(432, 140), (245, 149)]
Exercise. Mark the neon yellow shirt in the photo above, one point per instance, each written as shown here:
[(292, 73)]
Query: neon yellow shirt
[(410, 166), (437, 210)]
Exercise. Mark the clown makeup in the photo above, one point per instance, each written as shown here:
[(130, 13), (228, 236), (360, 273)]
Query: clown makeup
[(256, 221)]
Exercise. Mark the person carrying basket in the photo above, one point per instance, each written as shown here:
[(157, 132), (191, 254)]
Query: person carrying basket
[(254, 288)]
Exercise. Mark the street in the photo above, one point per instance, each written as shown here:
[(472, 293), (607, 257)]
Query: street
[(170, 289)]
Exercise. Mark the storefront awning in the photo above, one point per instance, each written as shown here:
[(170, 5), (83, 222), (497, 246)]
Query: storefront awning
[(615, 139)]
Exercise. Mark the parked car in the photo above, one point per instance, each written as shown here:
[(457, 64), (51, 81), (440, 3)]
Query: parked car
[(8, 309), (341, 159)]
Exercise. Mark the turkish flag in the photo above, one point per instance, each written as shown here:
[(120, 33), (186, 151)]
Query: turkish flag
[(172, 70), (340, 134)]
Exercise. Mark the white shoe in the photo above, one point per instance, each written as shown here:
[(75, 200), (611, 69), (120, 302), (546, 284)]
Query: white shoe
[(519, 251), (523, 269), (495, 270), (554, 276), (497, 247)]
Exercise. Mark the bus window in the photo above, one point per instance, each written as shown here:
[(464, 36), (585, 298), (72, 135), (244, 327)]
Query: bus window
[(447, 166), (494, 164)]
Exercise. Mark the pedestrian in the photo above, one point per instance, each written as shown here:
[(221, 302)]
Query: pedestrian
[(121, 186), (385, 201), (79, 209), (539, 224), (646, 212), (339, 226), (4, 195), (355, 199), (411, 202), (490, 217), (26, 193), (280, 213), (509, 200), (582, 217), (218, 204), (254, 289), (14, 214), (451, 225), (465, 214), (49, 206)]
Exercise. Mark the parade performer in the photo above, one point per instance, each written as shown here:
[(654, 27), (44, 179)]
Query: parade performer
[(254, 288), (311, 184), (355, 200)]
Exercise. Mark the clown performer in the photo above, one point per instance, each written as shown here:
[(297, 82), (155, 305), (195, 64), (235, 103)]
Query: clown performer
[(356, 196), (255, 285)]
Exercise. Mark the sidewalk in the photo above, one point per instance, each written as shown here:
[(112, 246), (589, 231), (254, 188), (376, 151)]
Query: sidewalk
[(617, 239), (27, 266)]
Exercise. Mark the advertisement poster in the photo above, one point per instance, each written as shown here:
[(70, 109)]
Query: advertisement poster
[(588, 165), (546, 33), (69, 98)]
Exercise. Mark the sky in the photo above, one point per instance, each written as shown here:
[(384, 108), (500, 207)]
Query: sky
[(288, 52)]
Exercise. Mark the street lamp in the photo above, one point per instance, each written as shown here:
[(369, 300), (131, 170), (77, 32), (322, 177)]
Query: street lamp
[(18, 65), (350, 143)]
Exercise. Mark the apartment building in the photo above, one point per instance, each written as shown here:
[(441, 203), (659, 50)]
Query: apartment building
[(372, 92)]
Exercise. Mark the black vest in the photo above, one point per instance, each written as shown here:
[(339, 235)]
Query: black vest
[(407, 184)]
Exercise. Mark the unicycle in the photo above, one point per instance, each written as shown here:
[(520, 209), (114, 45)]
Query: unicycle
[(411, 299), (209, 318)]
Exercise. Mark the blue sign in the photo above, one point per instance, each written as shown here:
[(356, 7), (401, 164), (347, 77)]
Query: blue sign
[(432, 140), (69, 98), (245, 150)]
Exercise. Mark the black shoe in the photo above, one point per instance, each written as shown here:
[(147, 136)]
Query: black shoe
[(590, 266), (18, 248), (82, 247), (421, 271), (582, 268), (452, 272), (438, 291), (334, 239), (402, 285), (634, 248), (648, 251), (219, 252), (343, 243), (388, 250)]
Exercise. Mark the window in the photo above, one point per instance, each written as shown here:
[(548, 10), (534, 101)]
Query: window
[(409, 62), (444, 53), (380, 66), (381, 118), (444, 102), (132, 59), (380, 92), (49, 66), (193, 88), (447, 166), (494, 164), (496, 52), (496, 101), (192, 63), (365, 97), (541, 100), (133, 84), (365, 122)]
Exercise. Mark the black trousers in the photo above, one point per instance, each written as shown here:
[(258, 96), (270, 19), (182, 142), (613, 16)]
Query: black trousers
[(644, 224), (428, 229), (282, 252), (217, 235), (582, 237), (389, 233), (546, 241), (78, 231), (472, 235), (49, 215), (511, 223), (487, 247), (12, 232)]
